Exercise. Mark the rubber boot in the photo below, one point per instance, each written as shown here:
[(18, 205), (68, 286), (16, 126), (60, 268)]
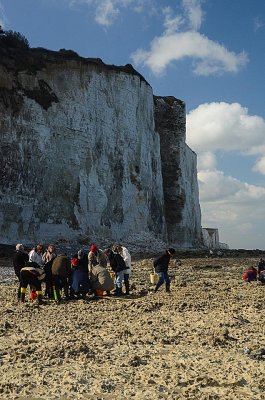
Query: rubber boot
[(127, 287), (168, 289), (23, 294), (19, 292), (119, 292), (57, 293), (39, 297), (66, 292), (156, 288)]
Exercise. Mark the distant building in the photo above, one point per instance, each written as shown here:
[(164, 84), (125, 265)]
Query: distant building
[(223, 246)]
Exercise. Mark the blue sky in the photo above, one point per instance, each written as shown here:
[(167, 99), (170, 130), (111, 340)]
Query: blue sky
[(208, 53)]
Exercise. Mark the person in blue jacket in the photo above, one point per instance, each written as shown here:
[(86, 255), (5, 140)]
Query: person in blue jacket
[(80, 280)]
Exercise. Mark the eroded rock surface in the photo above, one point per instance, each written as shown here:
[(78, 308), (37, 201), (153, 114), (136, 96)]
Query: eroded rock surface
[(80, 155)]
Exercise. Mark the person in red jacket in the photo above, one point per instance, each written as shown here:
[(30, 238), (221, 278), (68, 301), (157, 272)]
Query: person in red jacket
[(250, 275)]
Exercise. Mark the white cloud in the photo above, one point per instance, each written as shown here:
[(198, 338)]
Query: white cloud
[(214, 185), (260, 166), (224, 126), (194, 13), (258, 24), (172, 23), (206, 161), (209, 57), (106, 11)]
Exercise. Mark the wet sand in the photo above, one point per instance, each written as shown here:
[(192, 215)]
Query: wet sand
[(204, 340)]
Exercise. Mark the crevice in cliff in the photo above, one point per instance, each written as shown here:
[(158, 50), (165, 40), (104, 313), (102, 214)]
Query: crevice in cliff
[(43, 95)]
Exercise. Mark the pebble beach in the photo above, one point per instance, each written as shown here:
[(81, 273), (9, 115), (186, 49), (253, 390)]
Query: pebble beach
[(203, 340)]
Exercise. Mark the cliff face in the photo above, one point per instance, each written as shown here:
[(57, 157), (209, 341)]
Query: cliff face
[(179, 172), (80, 155)]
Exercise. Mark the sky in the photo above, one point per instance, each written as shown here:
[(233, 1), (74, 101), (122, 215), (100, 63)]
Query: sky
[(208, 53)]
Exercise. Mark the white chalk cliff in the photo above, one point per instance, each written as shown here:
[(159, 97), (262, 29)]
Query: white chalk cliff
[(81, 154)]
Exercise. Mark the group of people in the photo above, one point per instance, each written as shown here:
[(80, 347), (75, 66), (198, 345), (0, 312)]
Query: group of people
[(256, 274), (82, 274), (77, 276)]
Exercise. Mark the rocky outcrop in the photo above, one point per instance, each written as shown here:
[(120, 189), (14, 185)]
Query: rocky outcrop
[(81, 157)]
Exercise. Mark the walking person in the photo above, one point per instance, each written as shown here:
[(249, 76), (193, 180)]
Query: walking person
[(124, 252), (161, 265), (19, 260)]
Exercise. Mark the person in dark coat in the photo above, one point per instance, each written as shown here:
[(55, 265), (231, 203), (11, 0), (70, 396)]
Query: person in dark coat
[(80, 280), (161, 268), (118, 265), (48, 258), (61, 276), (19, 260)]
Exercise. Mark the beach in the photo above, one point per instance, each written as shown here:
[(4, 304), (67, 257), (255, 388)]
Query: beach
[(203, 340)]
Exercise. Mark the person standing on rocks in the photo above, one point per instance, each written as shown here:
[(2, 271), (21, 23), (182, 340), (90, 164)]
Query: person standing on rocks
[(48, 258), (124, 252), (19, 260), (161, 265), (35, 255)]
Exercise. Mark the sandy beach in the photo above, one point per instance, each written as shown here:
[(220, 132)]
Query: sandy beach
[(204, 340)]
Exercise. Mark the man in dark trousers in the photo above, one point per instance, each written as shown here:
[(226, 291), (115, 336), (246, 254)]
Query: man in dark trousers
[(61, 276), (161, 268), (19, 260)]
